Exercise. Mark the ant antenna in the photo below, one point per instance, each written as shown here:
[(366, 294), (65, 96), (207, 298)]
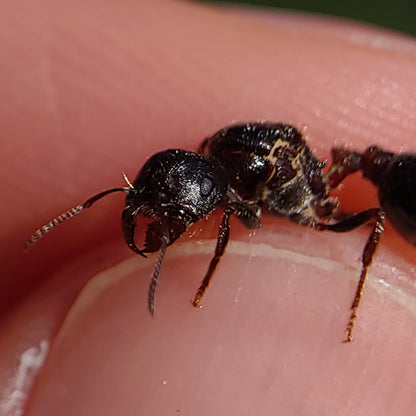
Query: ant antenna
[(39, 233), (127, 180)]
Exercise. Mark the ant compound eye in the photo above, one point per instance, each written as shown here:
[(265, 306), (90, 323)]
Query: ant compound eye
[(200, 187), (207, 186)]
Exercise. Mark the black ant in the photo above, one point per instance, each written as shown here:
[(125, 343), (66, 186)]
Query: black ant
[(248, 168)]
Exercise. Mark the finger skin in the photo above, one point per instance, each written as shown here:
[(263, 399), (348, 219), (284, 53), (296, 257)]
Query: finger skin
[(92, 90)]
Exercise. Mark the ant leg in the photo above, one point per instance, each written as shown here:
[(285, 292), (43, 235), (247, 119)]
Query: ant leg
[(348, 224), (248, 214), (344, 163), (222, 240)]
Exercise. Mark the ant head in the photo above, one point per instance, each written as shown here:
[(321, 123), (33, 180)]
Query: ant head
[(175, 188)]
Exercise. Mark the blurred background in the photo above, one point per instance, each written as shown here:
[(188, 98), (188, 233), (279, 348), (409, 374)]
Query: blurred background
[(399, 15)]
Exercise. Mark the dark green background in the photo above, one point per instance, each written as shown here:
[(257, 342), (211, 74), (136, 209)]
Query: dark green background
[(399, 14)]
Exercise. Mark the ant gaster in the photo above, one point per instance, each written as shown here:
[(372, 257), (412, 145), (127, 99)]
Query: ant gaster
[(249, 168)]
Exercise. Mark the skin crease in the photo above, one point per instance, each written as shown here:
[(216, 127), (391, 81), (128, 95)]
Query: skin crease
[(92, 89)]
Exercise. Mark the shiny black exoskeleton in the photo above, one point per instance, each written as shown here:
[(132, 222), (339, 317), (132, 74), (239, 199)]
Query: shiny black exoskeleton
[(394, 175), (270, 164), (249, 168), (175, 188)]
